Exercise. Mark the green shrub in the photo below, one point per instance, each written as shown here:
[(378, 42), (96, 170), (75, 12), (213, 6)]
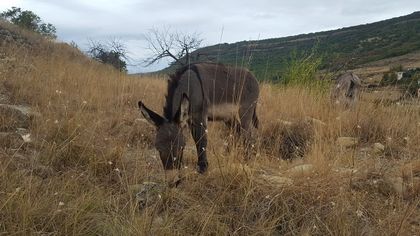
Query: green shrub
[(413, 85), (396, 68), (302, 70), (389, 78)]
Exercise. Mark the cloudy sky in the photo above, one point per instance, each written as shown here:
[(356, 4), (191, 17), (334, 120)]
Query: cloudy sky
[(217, 21)]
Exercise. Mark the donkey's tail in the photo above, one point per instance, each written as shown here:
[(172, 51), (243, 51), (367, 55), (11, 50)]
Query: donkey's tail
[(255, 120)]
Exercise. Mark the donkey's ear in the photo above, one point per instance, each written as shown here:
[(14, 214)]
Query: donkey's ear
[(183, 114), (150, 115)]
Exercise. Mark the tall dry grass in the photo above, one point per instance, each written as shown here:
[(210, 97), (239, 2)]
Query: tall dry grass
[(91, 149)]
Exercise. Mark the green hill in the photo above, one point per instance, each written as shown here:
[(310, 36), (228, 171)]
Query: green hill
[(349, 46)]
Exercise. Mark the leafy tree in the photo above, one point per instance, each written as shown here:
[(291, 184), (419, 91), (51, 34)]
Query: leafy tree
[(48, 30), (29, 20), (112, 53)]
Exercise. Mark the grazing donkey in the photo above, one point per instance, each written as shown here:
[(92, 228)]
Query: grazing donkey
[(346, 90), (197, 93)]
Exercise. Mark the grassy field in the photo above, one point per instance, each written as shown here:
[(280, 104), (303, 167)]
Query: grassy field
[(91, 152)]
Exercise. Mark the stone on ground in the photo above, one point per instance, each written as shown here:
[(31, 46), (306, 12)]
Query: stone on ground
[(347, 142)]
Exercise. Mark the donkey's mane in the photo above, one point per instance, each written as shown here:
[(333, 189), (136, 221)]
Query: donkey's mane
[(173, 83)]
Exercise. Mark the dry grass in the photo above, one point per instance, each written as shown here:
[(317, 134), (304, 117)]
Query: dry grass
[(90, 148)]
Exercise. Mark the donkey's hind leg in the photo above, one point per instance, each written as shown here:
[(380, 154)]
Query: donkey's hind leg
[(246, 121), (234, 126), (232, 132), (246, 125)]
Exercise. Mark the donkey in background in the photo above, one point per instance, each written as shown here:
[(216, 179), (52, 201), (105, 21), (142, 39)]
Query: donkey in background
[(346, 90), (198, 93)]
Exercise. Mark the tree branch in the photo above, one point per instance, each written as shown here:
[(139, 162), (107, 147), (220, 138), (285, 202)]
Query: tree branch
[(177, 46)]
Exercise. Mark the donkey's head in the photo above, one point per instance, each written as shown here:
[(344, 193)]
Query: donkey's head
[(170, 141)]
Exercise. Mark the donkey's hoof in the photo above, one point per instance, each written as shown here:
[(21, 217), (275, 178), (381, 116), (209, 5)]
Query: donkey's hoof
[(202, 167)]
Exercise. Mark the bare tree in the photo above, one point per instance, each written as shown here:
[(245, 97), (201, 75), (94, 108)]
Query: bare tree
[(175, 45)]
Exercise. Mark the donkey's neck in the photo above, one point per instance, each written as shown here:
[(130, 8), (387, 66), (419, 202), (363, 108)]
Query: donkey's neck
[(176, 88), (187, 82)]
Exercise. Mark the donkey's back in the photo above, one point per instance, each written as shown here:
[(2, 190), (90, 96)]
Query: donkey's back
[(230, 93), (227, 84)]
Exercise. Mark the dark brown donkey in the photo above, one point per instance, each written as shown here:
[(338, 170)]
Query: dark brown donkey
[(197, 93)]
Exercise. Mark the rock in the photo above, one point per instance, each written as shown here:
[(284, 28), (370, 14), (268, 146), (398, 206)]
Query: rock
[(397, 184), (3, 98), (24, 133), (14, 117), (405, 188), (411, 169), (301, 169), (231, 168), (415, 185), (158, 221), (24, 110), (142, 120), (407, 140), (344, 170), (315, 121), (146, 193), (277, 180), (378, 147), (43, 171), (365, 149), (347, 142), (285, 122), (27, 138)]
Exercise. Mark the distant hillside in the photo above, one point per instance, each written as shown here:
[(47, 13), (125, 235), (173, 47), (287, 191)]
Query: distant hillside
[(358, 45)]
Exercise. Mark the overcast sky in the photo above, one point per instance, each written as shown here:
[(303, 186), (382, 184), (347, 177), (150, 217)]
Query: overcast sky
[(218, 21)]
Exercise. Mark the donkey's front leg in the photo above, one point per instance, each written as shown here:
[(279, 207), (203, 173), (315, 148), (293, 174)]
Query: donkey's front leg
[(199, 133)]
